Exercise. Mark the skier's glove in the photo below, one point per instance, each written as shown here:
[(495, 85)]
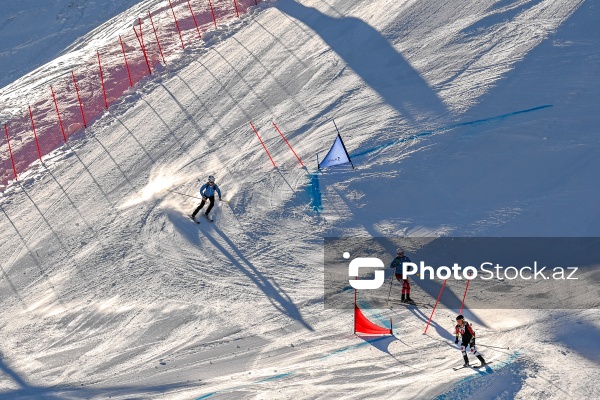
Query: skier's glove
[(204, 198)]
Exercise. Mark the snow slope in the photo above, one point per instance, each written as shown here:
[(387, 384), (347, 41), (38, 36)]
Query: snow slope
[(465, 118), (35, 32)]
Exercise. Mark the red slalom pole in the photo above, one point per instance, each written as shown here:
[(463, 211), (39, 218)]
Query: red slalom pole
[(37, 143), (213, 13), (289, 145), (194, 18), (79, 98), (434, 307), (156, 36), (101, 79), (263, 145), (464, 297), (10, 152), (62, 128), (176, 24), (126, 63), (236, 8), (141, 42)]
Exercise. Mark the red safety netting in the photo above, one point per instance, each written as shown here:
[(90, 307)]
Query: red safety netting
[(244, 5), (224, 10), (83, 94)]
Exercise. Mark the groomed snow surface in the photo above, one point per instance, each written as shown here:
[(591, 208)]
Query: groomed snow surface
[(108, 290)]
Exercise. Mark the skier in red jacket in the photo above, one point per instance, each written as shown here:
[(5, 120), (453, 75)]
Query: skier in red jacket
[(467, 334)]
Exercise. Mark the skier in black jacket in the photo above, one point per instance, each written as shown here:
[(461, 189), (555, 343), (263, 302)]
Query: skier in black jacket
[(467, 334)]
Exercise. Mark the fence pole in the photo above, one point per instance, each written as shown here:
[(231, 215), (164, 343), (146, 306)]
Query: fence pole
[(126, 63), (213, 13), (263, 145), (156, 35), (37, 143), (236, 8), (289, 145), (12, 159), (79, 98), (102, 80), (62, 128), (176, 24), (141, 33), (144, 46), (434, 307), (194, 17), (141, 42)]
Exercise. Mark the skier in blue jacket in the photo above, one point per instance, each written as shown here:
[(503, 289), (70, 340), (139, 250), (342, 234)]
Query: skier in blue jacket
[(397, 265), (207, 191)]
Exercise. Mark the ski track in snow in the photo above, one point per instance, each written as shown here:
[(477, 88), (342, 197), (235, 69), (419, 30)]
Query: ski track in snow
[(458, 127)]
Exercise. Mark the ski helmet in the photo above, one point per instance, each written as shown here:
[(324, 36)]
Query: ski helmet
[(211, 178), (460, 317), (400, 250)]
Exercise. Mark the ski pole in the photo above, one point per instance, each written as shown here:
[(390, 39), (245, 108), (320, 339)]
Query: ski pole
[(494, 347), (391, 283), (183, 194)]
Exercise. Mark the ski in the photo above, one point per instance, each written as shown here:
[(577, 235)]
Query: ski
[(398, 302), (472, 366), (457, 368)]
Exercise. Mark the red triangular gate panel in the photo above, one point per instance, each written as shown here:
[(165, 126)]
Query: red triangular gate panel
[(363, 325)]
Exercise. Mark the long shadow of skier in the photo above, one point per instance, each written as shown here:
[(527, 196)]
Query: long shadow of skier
[(185, 226), (372, 57), (274, 293)]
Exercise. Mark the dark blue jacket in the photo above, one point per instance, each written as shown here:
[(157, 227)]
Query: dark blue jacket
[(397, 263)]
